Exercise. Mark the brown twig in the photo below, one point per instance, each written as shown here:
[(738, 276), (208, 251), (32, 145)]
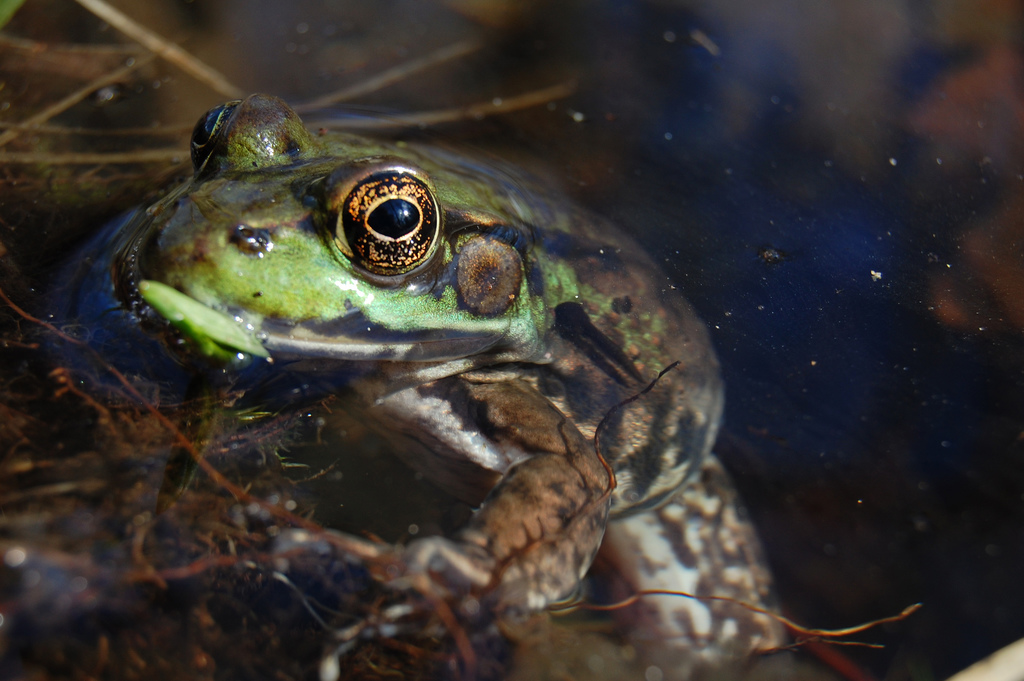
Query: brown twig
[(163, 48), (470, 112), (147, 131), (150, 156), (74, 98), (391, 76), (822, 634)]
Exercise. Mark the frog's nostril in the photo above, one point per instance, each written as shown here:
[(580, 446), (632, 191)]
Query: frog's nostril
[(255, 241)]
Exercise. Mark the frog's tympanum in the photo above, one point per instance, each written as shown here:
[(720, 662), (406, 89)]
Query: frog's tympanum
[(488, 326)]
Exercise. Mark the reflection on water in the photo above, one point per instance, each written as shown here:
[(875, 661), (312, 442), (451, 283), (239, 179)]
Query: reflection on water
[(873, 413)]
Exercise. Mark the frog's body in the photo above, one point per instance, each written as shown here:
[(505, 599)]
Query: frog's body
[(489, 329)]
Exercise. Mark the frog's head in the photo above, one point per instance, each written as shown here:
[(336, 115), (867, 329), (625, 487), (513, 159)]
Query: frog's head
[(291, 244)]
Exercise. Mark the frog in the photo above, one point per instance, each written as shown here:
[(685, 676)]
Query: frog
[(518, 351)]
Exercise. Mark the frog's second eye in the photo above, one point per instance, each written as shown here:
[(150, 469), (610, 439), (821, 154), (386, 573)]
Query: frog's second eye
[(204, 135), (388, 223)]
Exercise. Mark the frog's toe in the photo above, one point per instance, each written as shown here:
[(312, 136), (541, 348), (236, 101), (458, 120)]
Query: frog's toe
[(458, 568), (510, 588), (323, 542)]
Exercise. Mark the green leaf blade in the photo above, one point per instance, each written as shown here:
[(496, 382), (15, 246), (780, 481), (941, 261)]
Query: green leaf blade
[(7, 10), (214, 333)]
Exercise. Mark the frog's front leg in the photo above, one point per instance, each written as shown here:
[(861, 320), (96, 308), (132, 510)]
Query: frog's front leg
[(538, 530)]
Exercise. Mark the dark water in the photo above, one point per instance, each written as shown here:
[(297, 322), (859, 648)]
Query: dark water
[(834, 186)]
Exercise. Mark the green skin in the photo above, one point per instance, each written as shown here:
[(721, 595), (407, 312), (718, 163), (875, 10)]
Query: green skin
[(491, 372)]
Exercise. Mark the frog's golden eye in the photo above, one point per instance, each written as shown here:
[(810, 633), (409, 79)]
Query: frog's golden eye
[(204, 135), (389, 223)]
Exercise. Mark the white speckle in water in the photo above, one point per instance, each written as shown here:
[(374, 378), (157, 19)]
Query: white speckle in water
[(875, 276), (15, 557), (892, 161), (329, 668)]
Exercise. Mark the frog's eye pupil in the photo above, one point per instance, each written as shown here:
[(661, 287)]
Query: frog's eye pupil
[(394, 218)]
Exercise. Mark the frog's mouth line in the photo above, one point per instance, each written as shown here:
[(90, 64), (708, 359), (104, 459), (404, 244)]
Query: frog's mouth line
[(222, 334), (409, 349), (354, 337)]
